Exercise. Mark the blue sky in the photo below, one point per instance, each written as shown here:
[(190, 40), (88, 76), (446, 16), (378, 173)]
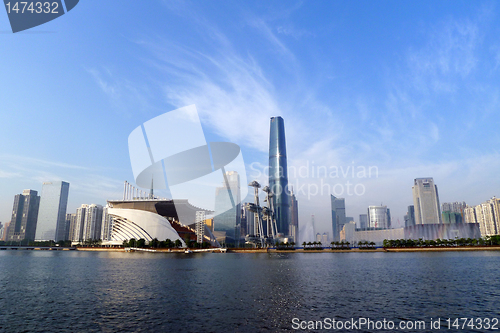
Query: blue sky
[(411, 88)]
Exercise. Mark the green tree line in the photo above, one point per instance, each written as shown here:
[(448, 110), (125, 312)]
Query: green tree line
[(402, 243)]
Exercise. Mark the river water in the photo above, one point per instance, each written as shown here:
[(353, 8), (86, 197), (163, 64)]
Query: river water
[(76, 291)]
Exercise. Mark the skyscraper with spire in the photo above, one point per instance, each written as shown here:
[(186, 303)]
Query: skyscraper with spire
[(278, 174)]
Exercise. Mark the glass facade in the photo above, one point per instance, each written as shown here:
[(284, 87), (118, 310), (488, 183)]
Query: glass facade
[(378, 217), (24, 216), (338, 216), (52, 215), (278, 174), (227, 205)]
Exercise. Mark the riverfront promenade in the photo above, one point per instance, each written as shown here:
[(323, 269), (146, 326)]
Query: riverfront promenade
[(249, 250)]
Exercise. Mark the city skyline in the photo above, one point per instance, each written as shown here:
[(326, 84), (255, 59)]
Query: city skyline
[(401, 86)]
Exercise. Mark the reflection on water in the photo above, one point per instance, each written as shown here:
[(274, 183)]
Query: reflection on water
[(110, 291)]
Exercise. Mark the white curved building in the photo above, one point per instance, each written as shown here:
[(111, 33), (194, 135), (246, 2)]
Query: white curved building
[(154, 218), (137, 224)]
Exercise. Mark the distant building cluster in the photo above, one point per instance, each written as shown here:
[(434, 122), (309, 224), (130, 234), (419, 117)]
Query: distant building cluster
[(425, 219), (44, 218)]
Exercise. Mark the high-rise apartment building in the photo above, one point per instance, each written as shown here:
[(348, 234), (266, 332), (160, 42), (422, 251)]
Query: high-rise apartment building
[(106, 225), (227, 207), (24, 216), (338, 216), (93, 221), (453, 212), (52, 214), (455, 207), (426, 201), (487, 215), (470, 214), (278, 174), (70, 226), (79, 224)]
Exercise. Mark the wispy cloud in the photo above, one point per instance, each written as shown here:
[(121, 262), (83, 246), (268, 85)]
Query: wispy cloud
[(124, 94), (25, 160), (84, 181), (289, 30), (7, 174)]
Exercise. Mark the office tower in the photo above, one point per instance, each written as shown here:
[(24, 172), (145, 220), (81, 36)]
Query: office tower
[(249, 216), (2, 229), (24, 216), (93, 221), (324, 238), (210, 224), (5, 231), (426, 201), (227, 207), (278, 174), (363, 221), (388, 218), (79, 223), (338, 216), (106, 225), (318, 237), (294, 218), (52, 214), (347, 232), (70, 225), (243, 223), (378, 217), (410, 216)]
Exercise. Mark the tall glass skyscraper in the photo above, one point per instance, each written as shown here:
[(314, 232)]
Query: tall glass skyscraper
[(52, 214), (24, 216), (338, 216), (278, 174), (227, 205), (294, 218)]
